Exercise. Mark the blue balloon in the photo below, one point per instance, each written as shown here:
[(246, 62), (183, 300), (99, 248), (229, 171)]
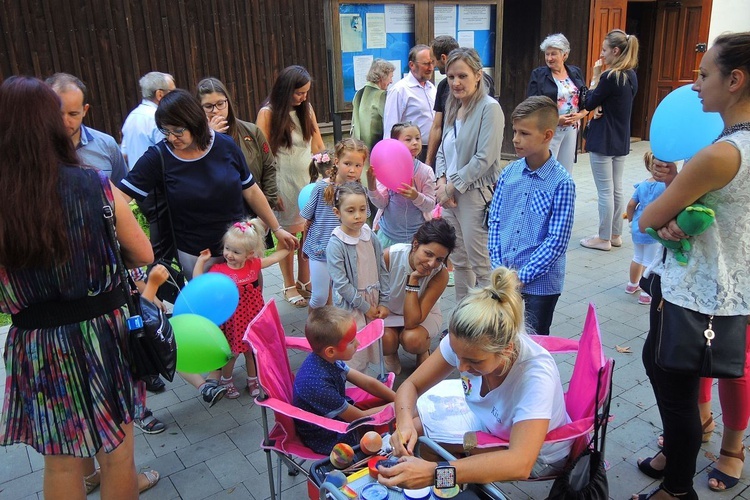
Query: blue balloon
[(680, 127), (304, 195), (212, 295)]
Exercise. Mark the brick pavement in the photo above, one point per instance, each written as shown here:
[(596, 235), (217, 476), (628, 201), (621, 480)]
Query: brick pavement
[(214, 453)]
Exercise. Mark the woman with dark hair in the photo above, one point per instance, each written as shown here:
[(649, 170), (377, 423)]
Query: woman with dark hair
[(288, 121), (69, 392), (205, 178), (714, 282), (418, 278), (608, 140), (219, 109), (468, 165), (561, 83)]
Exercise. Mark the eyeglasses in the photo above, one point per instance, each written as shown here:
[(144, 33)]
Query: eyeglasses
[(222, 104), (178, 132)]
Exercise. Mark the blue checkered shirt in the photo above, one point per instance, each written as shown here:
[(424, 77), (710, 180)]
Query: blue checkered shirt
[(530, 222)]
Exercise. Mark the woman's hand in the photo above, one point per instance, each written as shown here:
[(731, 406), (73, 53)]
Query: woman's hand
[(372, 313), (444, 194), (383, 312), (598, 112), (404, 440), (672, 231), (564, 120), (410, 472), (664, 172), (219, 124), (287, 239), (408, 191)]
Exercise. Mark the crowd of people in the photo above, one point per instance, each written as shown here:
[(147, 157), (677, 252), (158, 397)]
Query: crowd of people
[(218, 191)]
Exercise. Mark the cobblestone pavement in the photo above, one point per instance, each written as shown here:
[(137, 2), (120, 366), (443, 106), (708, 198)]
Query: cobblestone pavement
[(214, 453)]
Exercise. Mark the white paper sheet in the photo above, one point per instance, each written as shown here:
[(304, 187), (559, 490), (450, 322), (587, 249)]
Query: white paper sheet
[(466, 39), (351, 32), (399, 18), (361, 67), (445, 20), (375, 25), (473, 17), (444, 413)]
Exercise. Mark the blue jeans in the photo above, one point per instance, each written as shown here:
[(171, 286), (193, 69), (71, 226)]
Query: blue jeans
[(539, 311)]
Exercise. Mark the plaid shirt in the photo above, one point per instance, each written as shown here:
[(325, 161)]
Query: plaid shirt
[(530, 222)]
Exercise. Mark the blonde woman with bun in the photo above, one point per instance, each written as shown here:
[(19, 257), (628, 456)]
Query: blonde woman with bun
[(511, 384)]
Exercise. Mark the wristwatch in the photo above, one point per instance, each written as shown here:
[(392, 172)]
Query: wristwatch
[(445, 475)]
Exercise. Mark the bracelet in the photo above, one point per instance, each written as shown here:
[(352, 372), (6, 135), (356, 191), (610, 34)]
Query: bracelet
[(277, 229), (410, 288)]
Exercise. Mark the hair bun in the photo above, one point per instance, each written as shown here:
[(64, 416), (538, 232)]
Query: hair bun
[(503, 282)]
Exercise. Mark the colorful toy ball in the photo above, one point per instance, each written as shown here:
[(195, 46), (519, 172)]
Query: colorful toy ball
[(336, 478), (342, 456), (371, 442)]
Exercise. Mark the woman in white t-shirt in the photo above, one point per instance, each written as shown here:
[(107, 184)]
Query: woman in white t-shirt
[(511, 384)]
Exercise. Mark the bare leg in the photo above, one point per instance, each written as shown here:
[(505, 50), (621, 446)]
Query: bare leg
[(636, 271), (227, 369), (250, 364), (119, 479), (416, 341), (63, 477)]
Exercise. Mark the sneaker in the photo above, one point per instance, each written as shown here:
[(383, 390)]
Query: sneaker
[(212, 392), (631, 288), (451, 281), (252, 387), (154, 383), (644, 299), (150, 424), (232, 392)]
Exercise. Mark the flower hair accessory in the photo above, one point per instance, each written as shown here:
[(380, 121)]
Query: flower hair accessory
[(321, 158)]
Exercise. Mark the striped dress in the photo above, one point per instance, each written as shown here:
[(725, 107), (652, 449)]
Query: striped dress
[(68, 390)]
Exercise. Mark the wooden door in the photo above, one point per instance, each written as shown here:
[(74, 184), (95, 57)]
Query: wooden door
[(680, 40), (606, 15)]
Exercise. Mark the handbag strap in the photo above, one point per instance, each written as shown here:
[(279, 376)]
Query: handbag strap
[(109, 222), (166, 202)]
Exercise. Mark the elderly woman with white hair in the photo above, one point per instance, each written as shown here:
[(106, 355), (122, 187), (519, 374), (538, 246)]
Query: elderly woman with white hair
[(369, 102), (561, 83)]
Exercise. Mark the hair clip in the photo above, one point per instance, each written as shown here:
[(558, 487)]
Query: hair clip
[(321, 158), (241, 226)]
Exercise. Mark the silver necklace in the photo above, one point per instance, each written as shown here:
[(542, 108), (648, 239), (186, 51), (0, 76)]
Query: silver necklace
[(745, 126)]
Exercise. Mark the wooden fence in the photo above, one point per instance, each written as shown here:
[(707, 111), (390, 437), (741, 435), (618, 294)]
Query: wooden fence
[(110, 44)]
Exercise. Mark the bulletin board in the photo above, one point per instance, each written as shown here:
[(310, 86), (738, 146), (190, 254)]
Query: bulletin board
[(363, 30)]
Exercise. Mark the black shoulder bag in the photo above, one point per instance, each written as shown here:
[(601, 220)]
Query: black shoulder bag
[(151, 343)]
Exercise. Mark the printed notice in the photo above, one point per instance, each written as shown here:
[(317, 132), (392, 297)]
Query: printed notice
[(445, 20), (399, 18), (361, 67), (351, 32), (473, 17), (466, 39), (375, 24)]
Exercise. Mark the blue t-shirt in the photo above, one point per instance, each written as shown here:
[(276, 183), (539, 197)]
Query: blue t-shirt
[(205, 194), (319, 388), (645, 193)]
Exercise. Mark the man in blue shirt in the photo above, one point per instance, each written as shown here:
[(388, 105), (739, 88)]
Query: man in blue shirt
[(531, 215), (94, 148)]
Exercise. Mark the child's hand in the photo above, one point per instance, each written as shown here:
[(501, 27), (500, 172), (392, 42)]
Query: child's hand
[(383, 312), (408, 191), (204, 256), (218, 123), (372, 182), (372, 313), (159, 275)]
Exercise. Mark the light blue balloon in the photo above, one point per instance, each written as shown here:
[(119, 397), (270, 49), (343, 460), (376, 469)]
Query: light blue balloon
[(304, 195), (680, 128), (212, 295)]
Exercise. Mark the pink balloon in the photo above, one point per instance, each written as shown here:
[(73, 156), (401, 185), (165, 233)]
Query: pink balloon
[(393, 163)]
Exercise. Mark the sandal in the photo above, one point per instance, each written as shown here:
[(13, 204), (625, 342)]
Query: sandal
[(704, 428), (152, 477), (232, 392), (149, 423), (645, 467), (252, 386), (304, 289), (728, 481), (295, 300), (92, 481)]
